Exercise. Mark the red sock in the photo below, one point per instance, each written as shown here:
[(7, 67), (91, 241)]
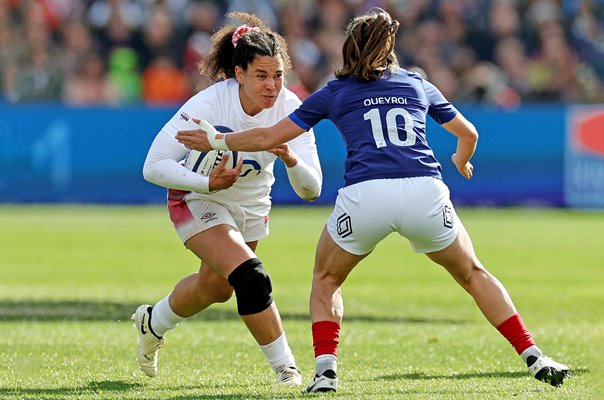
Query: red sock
[(514, 330), (325, 337)]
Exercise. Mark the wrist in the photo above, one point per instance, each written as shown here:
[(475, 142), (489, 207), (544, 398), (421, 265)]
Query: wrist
[(218, 141), (291, 162)]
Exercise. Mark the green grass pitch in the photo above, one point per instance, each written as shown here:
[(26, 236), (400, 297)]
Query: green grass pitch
[(71, 276)]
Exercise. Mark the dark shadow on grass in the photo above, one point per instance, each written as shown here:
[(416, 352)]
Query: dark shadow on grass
[(29, 310), (53, 393), (473, 375), (422, 376)]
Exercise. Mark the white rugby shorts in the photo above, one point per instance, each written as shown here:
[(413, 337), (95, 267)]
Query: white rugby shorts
[(192, 215), (418, 208)]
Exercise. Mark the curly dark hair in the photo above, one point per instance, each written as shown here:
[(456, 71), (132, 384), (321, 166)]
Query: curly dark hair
[(223, 57), (368, 50)]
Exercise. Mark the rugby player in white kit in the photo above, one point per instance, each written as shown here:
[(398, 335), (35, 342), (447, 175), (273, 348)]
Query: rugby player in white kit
[(222, 216)]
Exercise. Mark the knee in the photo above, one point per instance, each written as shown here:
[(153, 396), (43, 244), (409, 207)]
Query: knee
[(471, 274), (211, 290), (221, 294), (252, 286)]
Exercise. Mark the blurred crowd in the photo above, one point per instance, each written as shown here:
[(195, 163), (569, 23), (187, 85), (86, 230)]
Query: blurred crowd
[(496, 52)]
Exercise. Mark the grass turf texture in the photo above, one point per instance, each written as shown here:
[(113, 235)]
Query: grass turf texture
[(71, 276)]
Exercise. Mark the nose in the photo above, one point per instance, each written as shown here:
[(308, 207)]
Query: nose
[(270, 84)]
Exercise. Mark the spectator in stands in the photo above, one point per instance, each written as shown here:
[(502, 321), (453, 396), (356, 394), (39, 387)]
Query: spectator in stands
[(89, 84), (457, 35), (163, 82), (124, 74)]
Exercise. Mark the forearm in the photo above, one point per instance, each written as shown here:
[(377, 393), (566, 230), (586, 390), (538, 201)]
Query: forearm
[(162, 166), (255, 139), (465, 149), (170, 174), (305, 180)]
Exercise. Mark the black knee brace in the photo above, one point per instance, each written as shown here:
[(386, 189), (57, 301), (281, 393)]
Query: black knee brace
[(252, 287)]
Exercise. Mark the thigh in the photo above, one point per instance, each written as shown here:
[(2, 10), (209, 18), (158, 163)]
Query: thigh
[(459, 258), (222, 247), (191, 216), (332, 261), (213, 279)]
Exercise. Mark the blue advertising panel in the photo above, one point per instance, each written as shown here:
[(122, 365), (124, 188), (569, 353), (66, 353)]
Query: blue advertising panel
[(54, 153)]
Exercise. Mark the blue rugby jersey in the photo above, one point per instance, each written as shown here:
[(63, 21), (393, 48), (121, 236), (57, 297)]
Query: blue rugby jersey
[(383, 123)]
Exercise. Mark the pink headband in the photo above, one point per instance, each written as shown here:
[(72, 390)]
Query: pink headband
[(241, 31)]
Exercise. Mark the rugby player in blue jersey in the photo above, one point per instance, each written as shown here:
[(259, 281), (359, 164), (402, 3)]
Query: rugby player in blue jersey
[(392, 184)]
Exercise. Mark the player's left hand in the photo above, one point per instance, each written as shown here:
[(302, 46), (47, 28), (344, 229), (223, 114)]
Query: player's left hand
[(196, 139), (466, 170), (285, 154)]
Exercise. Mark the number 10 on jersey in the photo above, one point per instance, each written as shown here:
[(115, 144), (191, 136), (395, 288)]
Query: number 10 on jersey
[(373, 116)]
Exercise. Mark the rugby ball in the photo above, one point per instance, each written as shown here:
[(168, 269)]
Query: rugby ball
[(203, 162)]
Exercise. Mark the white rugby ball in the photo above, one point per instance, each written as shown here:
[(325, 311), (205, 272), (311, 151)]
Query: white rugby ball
[(204, 162)]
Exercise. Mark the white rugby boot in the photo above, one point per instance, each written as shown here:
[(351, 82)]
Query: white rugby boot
[(547, 370), (288, 376), (327, 382), (148, 344)]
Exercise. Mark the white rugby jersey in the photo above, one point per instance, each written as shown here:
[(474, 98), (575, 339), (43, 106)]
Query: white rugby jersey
[(220, 105)]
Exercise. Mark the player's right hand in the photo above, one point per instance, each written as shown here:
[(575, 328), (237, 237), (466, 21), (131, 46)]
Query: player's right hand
[(223, 178)]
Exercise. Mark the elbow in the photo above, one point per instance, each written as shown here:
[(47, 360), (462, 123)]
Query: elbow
[(474, 132), (312, 194), (149, 172), (312, 197), (472, 135)]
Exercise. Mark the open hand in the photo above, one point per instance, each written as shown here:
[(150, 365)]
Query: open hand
[(196, 139), (223, 178)]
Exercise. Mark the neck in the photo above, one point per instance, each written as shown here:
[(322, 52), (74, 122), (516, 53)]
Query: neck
[(249, 107)]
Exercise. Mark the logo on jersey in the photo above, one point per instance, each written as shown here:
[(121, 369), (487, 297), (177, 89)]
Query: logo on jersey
[(184, 115), (209, 216), (344, 225), (448, 216)]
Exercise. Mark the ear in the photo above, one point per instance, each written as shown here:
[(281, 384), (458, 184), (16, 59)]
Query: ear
[(239, 74)]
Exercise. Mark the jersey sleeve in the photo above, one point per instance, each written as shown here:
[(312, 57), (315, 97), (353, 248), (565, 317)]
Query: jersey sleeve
[(439, 108), (313, 109), (162, 166), (198, 106), (306, 177)]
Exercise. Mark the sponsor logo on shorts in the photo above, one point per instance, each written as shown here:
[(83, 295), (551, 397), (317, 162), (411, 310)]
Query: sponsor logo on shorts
[(344, 225), (266, 221), (184, 115), (209, 216), (448, 216)]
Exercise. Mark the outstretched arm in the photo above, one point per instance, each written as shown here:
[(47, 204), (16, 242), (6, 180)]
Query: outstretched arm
[(467, 137), (255, 139), (264, 138)]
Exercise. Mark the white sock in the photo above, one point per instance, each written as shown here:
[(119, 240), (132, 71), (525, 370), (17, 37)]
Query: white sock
[(163, 318), (531, 351), (325, 362), (278, 353)]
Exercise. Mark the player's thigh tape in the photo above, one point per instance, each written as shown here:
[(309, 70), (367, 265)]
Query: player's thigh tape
[(252, 287)]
